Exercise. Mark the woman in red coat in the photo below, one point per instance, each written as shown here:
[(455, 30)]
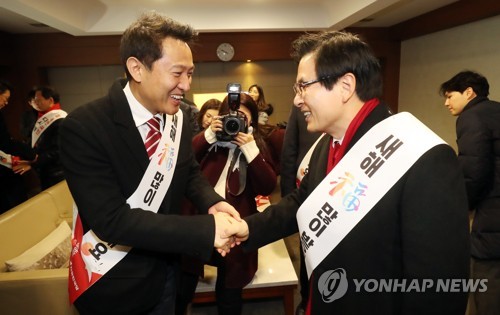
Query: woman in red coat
[(240, 168)]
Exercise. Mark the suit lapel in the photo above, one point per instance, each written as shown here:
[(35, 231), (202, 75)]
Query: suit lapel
[(125, 125)]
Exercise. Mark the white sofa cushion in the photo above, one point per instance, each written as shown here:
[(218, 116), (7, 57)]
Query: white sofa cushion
[(50, 253)]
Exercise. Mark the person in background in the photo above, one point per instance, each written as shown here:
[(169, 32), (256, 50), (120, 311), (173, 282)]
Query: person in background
[(208, 111), (257, 93), (239, 169), (264, 114), (190, 267), (29, 118), (478, 141), (129, 163), (265, 109), (297, 142), (193, 112), (45, 137), (273, 134), (352, 230), (13, 189)]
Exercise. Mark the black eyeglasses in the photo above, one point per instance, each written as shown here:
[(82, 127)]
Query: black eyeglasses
[(300, 87)]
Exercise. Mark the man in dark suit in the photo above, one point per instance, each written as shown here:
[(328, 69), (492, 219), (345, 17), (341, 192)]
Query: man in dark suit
[(13, 191), (416, 232), (296, 144), (103, 150), (478, 140)]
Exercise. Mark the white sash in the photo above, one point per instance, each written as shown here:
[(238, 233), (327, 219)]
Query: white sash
[(44, 122), (5, 159), (363, 176), (99, 256)]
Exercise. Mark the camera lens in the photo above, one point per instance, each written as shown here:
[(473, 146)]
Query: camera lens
[(232, 126)]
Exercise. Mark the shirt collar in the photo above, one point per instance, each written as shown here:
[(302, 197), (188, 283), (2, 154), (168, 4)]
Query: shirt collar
[(337, 140), (139, 113)]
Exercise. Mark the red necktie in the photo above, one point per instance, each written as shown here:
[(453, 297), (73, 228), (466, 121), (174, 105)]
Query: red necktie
[(333, 157), (153, 137)]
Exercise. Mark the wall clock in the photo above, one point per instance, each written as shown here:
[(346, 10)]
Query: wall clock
[(225, 51)]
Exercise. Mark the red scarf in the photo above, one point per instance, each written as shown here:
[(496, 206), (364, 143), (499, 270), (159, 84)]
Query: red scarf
[(55, 106), (334, 156)]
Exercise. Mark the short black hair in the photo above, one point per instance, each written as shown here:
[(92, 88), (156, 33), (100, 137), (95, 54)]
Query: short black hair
[(337, 53), (143, 38), (465, 79), (48, 92)]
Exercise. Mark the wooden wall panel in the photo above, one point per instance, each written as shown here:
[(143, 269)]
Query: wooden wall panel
[(454, 14), (34, 53)]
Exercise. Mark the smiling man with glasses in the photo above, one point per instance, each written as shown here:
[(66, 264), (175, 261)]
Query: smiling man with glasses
[(383, 198), (300, 87)]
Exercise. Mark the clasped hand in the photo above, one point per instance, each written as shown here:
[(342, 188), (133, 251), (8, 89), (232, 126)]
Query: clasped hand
[(230, 229), (22, 167)]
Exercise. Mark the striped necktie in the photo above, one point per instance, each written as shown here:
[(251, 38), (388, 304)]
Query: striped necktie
[(153, 137)]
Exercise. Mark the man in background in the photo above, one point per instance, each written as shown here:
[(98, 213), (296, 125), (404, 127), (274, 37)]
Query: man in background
[(45, 136), (296, 143), (192, 111), (12, 186), (478, 141)]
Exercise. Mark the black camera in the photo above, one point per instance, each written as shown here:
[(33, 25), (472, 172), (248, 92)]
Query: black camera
[(233, 122)]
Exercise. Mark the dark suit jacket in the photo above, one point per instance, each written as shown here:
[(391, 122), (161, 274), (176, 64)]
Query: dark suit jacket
[(478, 139), (104, 159), (296, 143), (418, 230), (13, 191), (48, 164)]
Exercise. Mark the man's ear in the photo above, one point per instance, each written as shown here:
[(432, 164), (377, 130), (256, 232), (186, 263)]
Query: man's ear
[(347, 84), (135, 68), (469, 92)]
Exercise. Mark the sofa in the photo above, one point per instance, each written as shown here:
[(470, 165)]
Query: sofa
[(40, 291)]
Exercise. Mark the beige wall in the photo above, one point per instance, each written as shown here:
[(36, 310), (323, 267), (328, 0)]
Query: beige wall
[(78, 85), (428, 61), (275, 77)]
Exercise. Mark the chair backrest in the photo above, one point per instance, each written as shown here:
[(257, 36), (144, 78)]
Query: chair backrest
[(62, 197), (28, 223)]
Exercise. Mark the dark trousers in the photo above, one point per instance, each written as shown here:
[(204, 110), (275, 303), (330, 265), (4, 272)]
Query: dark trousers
[(488, 302), (185, 291), (167, 302), (304, 281), (229, 300), (12, 191)]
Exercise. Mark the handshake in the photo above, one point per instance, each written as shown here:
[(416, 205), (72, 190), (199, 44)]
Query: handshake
[(230, 229)]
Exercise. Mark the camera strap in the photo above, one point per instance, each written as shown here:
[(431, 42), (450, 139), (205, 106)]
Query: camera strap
[(242, 172)]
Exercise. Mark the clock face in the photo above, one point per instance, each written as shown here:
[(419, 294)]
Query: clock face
[(225, 52)]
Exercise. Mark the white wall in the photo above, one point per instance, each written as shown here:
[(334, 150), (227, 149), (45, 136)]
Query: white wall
[(79, 85), (430, 60)]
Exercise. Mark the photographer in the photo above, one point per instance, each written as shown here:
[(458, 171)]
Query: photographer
[(233, 156)]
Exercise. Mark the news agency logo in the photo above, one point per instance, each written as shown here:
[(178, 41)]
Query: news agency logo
[(333, 284)]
